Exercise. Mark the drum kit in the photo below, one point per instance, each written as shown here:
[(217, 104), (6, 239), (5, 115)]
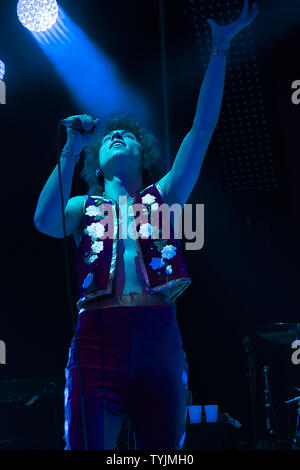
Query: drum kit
[(285, 334)]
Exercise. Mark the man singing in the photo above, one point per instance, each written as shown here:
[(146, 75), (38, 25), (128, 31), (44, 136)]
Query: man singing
[(129, 347)]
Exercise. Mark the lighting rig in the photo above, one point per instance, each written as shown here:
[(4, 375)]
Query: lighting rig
[(242, 138)]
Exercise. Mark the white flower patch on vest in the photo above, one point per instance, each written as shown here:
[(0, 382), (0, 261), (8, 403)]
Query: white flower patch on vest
[(148, 199), (169, 269), (97, 246), (93, 211), (168, 252), (95, 230), (146, 230)]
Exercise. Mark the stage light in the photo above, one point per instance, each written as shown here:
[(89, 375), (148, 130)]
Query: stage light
[(2, 70), (37, 15)]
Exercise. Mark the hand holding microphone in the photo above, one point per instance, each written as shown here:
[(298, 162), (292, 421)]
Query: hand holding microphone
[(81, 131)]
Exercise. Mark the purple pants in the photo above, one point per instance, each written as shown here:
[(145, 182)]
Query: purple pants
[(131, 361)]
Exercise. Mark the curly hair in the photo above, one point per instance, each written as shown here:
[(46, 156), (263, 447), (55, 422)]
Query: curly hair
[(151, 154)]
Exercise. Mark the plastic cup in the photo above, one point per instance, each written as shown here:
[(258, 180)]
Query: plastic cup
[(211, 413), (195, 412)]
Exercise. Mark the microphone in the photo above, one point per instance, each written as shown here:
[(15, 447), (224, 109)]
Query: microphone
[(266, 370), (75, 124), (248, 345)]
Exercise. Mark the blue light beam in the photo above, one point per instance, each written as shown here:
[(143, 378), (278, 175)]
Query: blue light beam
[(94, 81)]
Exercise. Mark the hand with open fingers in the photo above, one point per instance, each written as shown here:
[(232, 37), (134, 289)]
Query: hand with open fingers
[(76, 140), (225, 33)]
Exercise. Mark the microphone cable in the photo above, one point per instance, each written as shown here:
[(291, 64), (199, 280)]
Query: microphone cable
[(71, 311)]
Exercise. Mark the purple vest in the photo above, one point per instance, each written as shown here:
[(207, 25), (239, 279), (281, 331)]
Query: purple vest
[(160, 258)]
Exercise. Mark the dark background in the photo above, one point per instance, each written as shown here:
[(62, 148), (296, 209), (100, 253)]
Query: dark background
[(246, 275)]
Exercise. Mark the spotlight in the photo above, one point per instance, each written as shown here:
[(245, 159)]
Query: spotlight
[(2, 70), (37, 15)]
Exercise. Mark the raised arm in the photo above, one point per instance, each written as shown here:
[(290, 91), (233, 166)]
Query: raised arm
[(48, 213), (179, 182)]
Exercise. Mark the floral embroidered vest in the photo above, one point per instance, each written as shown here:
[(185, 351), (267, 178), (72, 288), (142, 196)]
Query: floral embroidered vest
[(160, 258)]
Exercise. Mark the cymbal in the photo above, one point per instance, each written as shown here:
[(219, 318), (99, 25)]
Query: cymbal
[(282, 333)]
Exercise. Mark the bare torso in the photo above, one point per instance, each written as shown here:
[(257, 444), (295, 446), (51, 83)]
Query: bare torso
[(129, 277)]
